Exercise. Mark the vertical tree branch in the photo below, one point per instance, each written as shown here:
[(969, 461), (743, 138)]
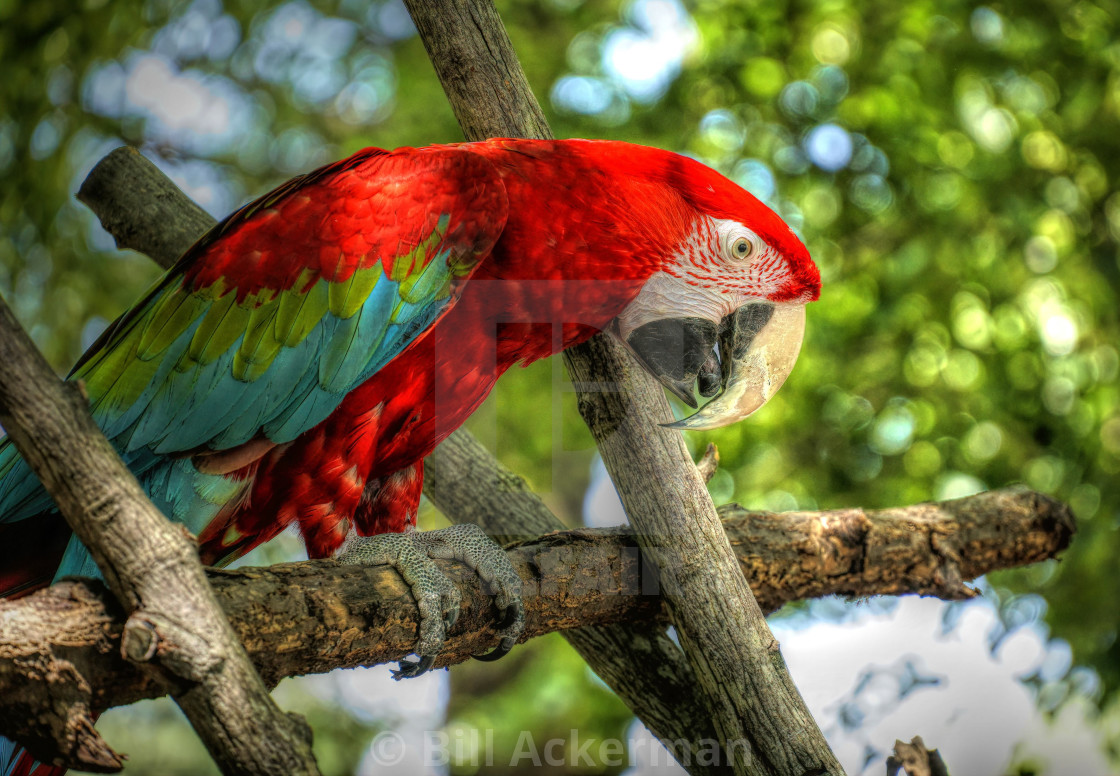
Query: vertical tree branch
[(176, 627), (727, 642), (722, 629)]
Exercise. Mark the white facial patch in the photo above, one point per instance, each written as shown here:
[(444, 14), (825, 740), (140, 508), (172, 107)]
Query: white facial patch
[(668, 296), (721, 266)]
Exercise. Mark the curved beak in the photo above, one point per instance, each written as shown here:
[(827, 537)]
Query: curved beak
[(758, 346)]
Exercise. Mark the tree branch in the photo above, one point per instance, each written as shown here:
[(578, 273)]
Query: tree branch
[(744, 684), (492, 97), (915, 759), (175, 628), (62, 650)]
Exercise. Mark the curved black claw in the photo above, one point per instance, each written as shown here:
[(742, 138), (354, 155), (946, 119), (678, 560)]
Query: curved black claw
[(512, 614), (511, 622), (407, 669), (498, 652)]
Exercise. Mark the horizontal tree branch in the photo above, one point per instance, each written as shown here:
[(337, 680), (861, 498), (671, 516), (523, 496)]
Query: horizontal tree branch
[(61, 645)]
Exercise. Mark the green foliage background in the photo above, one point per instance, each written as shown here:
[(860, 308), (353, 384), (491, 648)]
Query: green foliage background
[(967, 333)]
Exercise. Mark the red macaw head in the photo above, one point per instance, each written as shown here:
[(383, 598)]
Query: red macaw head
[(725, 311)]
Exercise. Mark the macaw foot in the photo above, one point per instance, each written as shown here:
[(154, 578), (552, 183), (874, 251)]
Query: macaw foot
[(413, 554)]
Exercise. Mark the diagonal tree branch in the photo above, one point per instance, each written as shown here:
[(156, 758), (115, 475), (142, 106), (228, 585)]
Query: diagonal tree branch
[(175, 628), (61, 647), (761, 718)]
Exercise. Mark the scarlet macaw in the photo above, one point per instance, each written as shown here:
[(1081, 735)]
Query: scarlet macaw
[(297, 363)]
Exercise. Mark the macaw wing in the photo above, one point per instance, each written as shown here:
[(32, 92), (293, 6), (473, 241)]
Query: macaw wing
[(261, 328)]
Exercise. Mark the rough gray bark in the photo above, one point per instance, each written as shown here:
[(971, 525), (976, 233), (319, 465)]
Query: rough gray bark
[(61, 648), (478, 69), (761, 718), (175, 627), (722, 629), (142, 204)]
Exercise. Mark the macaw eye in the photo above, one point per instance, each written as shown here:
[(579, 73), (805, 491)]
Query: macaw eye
[(742, 249)]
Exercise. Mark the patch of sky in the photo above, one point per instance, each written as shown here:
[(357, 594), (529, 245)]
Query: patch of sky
[(317, 82), (582, 94), (799, 99), (91, 330), (878, 675), (831, 83), (992, 127), (584, 53), (987, 26), (645, 56), (867, 157), (46, 136), (723, 129), (894, 429), (1015, 612), (370, 95), (871, 193), (791, 214), (602, 507), (194, 112), (60, 85), (829, 147), (201, 31), (297, 149), (299, 45), (634, 61), (391, 20), (205, 182), (791, 160), (1058, 330), (28, 287), (953, 484)]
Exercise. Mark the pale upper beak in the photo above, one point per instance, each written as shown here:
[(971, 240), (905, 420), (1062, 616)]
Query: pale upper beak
[(758, 345)]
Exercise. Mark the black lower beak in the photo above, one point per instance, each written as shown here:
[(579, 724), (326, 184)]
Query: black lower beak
[(757, 349), (678, 351)]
